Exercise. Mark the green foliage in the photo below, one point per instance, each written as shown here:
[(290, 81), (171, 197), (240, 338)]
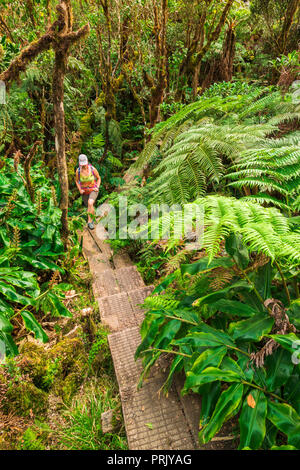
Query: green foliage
[(31, 441), (274, 171), (219, 336), (194, 146), (30, 247), (82, 430)]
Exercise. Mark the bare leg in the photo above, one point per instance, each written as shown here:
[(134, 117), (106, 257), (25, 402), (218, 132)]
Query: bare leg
[(91, 209)]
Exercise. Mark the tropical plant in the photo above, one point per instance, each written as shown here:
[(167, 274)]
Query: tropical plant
[(30, 254), (195, 145), (230, 323), (272, 171)]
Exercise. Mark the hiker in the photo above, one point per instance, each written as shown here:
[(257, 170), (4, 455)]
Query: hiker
[(88, 182)]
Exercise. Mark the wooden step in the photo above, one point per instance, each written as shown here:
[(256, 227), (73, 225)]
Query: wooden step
[(137, 297), (129, 278), (152, 421), (106, 283), (116, 312)]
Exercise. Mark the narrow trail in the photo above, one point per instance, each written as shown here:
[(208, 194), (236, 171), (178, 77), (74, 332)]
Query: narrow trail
[(152, 421)]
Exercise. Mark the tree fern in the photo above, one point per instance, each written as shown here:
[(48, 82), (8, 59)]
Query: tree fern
[(274, 171), (263, 230), (195, 159), (193, 148)]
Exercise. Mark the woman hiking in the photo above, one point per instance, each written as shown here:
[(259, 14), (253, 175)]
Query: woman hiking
[(88, 182)]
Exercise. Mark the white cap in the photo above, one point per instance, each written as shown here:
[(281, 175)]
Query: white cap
[(83, 160)]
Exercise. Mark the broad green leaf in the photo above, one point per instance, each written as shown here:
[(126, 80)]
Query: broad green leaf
[(229, 364), (41, 264), (184, 314), (226, 407), (147, 364), (209, 358), (287, 420), (4, 236), (204, 339), (233, 307), (237, 250), (20, 224), (30, 286), (5, 324), (176, 366), (149, 330), (165, 283), (252, 329), (33, 325), (214, 296), (253, 420), (244, 364), (294, 313), (58, 306), (203, 265), (291, 392), (6, 308), (270, 436), (279, 367), (283, 448), (11, 294), (10, 346), (210, 374), (263, 280), (167, 333), (290, 342), (219, 333), (209, 397)]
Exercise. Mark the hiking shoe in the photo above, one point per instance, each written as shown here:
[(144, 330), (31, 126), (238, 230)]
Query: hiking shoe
[(91, 226)]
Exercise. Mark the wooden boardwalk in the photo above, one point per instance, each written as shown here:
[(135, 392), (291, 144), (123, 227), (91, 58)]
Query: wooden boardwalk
[(152, 421)]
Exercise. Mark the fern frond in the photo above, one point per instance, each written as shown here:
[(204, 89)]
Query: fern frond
[(156, 302)]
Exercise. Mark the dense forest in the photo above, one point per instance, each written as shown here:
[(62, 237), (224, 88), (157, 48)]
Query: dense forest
[(174, 102)]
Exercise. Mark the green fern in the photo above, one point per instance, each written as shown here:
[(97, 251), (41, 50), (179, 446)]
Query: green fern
[(273, 171), (161, 302), (263, 230), (193, 147)]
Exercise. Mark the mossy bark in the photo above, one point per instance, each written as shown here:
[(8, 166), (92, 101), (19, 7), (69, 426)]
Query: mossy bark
[(61, 37), (190, 66)]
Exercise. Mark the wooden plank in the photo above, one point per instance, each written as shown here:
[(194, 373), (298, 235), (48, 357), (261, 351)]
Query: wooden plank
[(137, 297), (116, 312), (122, 260), (106, 283), (129, 278)]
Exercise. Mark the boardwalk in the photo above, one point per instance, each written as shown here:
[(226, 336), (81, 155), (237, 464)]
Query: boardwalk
[(152, 421)]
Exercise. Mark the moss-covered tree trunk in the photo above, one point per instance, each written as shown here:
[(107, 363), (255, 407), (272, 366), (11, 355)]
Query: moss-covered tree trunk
[(199, 46), (64, 39), (159, 84), (59, 36), (291, 11), (228, 53), (59, 126)]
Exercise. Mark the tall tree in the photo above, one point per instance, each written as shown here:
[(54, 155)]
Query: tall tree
[(158, 84), (64, 38), (278, 17), (200, 38), (61, 37)]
